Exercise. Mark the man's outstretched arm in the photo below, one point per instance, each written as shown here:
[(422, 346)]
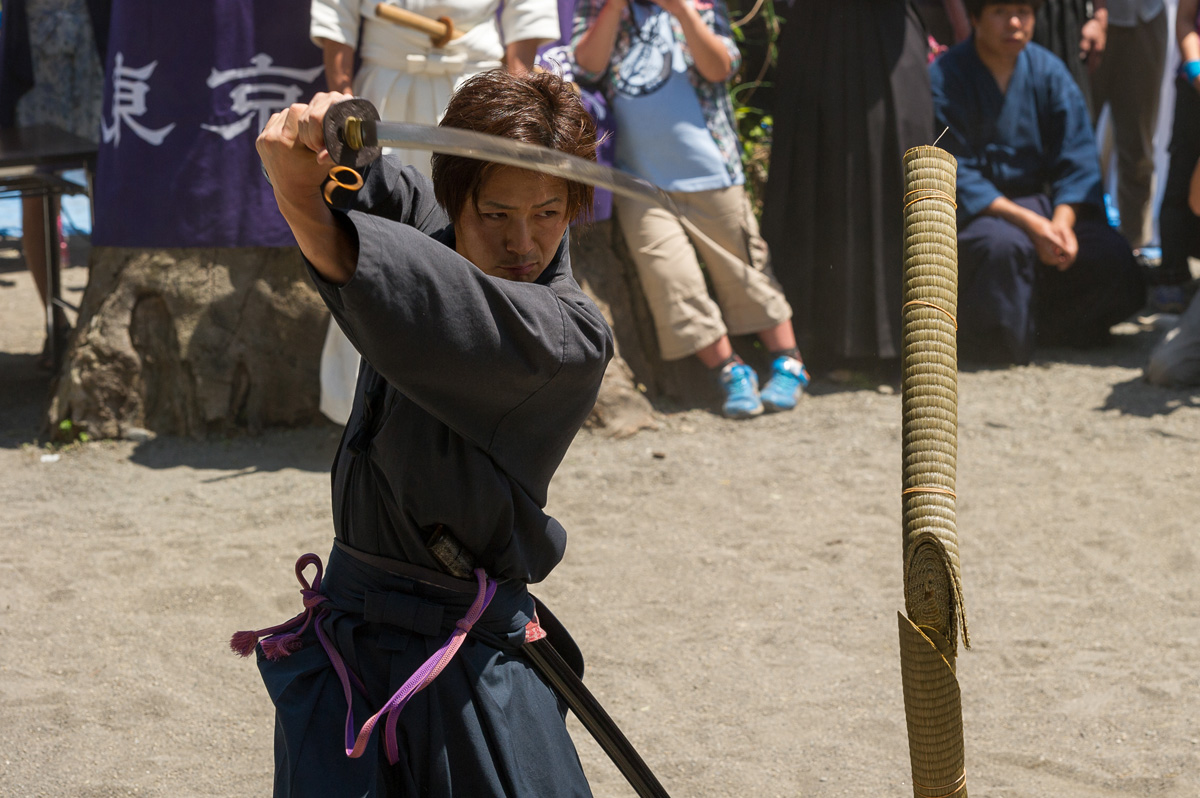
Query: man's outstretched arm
[(292, 149)]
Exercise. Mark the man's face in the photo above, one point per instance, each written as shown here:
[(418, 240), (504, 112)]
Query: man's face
[(516, 225), (1004, 28)]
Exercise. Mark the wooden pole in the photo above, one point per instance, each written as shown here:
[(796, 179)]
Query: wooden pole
[(440, 31)]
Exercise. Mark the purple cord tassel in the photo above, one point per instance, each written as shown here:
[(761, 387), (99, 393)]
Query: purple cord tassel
[(284, 639)]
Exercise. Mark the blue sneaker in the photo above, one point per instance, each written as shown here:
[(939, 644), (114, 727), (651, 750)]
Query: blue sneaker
[(788, 380), (740, 385)]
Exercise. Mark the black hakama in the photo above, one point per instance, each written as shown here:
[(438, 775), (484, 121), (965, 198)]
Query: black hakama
[(1179, 227), (1059, 28), (852, 94)]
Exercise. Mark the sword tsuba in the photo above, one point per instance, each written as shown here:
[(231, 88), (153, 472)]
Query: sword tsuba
[(350, 133)]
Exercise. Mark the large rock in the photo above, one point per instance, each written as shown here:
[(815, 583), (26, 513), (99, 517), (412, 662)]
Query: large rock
[(192, 341)]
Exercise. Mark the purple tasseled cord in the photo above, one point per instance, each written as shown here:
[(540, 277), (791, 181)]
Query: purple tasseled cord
[(281, 641)]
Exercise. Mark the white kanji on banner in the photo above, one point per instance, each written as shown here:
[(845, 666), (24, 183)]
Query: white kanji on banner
[(257, 96), (130, 87)]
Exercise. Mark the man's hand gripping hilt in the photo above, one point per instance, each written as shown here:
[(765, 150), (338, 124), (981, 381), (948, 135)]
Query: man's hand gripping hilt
[(350, 139)]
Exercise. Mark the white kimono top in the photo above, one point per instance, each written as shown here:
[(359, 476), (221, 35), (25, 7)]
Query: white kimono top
[(404, 75), (409, 80)]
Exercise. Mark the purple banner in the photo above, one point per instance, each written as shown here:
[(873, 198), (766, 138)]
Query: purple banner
[(189, 86)]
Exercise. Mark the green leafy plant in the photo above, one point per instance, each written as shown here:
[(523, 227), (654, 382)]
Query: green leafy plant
[(68, 433), (756, 27)]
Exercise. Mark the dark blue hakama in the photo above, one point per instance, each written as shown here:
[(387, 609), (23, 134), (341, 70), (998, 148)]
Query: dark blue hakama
[(487, 725), (1009, 301)]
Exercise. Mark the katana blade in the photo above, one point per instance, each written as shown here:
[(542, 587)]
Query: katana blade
[(354, 135), (497, 149)]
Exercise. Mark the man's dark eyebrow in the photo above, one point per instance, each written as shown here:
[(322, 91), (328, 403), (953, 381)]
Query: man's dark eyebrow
[(503, 207)]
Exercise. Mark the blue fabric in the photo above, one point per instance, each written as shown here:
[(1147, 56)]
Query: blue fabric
[(558, 57), (487, 726), (1034, 138), (690, 161), (1009, 302), (664, 136), (997, 267)]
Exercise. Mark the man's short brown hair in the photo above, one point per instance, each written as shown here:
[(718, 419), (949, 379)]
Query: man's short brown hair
[(536, 108)]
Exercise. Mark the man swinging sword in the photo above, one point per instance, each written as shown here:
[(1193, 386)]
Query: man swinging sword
[(482, 359)]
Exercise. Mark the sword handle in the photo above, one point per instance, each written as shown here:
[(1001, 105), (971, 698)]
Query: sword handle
[(450, 553)]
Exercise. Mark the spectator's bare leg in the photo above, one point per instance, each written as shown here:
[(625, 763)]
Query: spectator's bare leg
[(779, 338), (33, 241), (716, 353)]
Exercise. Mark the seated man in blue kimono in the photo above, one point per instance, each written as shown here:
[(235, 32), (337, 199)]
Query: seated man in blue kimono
[(1037, 261)]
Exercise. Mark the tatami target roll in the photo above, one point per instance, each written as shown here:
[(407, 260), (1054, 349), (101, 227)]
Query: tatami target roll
[(933, 595), (930, 368)]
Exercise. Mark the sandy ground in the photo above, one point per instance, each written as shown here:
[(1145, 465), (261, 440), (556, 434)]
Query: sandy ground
[(734, 586)]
